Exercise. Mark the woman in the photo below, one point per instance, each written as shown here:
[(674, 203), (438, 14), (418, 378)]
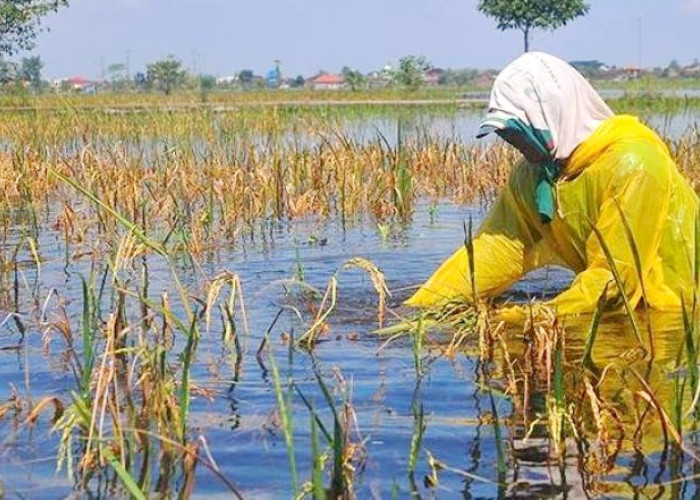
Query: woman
[(584, 168)]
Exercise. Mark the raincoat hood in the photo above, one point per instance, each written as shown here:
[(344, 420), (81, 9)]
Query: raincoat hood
[(552, 106)]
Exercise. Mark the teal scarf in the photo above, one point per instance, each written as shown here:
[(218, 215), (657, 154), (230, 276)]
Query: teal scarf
[(544, 190), (549, 170)]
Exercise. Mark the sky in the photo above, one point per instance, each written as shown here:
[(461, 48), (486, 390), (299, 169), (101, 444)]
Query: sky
[(223, 37)]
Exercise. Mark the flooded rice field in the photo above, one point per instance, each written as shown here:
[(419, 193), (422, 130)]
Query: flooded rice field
[(127, 369)]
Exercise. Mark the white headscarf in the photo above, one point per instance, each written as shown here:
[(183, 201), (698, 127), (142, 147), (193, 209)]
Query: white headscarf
[(549, 95)]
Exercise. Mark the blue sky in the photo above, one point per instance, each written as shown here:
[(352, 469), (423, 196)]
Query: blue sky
[(226, 36)]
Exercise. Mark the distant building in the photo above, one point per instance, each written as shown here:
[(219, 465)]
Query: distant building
[(378, 79), (272, 80), (80, 84), (326, 81), (632, 71), (691, 71), (227, 80), (484, 80), (432, 76)]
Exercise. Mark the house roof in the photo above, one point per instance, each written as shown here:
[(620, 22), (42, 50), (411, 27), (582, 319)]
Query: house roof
[(328, 79), (78, 80)]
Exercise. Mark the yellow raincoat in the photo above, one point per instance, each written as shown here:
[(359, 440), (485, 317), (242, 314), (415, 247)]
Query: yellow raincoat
[(623, 168)]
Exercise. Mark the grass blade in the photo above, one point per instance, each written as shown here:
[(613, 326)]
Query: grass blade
[(469, 245), (185, 382), (498, 438), (620, 286), (317, 463), (640, 274), (315, 416), (691, 354), (88, 337), (587, 360), (418, 428), (338, 440), (127, 480), (285, 415), (119, 217)]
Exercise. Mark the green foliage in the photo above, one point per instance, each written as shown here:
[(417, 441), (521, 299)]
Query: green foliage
[(166, 74), (207, 82), (31, 71), (419, 425), (620, 285), (502, 463), (285, 411), (246, 76), (127, 479), (116, 71), (411, 71), (526, 15), (119, 78), (89, 321), (8, 71), (587, 360), (21, 22), (353, 78)]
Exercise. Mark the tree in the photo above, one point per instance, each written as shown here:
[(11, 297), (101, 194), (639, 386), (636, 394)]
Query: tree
[(116, 74), (140, 80), (31, 71), (207, 83), (353, 78), (246, 76), (8, 71), (20, 22), (527, 15), (411, 71), (166, 74)]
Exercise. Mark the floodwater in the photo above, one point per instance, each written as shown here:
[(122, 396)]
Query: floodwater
[(239, 422), (247, 447)]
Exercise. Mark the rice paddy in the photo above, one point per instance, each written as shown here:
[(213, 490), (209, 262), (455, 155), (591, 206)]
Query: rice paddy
[(209, 303)]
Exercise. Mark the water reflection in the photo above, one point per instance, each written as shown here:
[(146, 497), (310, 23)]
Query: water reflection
[(628, 423)]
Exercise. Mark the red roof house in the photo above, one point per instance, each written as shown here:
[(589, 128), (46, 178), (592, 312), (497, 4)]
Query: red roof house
[(79, 82), (326, 81)]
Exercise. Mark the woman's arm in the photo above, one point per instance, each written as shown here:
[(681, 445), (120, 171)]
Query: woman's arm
[(502, 250)]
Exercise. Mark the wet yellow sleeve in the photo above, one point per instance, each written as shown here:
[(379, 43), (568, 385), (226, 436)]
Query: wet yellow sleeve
[(641, 193), (502, 254)]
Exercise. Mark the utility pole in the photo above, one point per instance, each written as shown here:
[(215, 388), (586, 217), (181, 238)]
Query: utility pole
[(128, 63)]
